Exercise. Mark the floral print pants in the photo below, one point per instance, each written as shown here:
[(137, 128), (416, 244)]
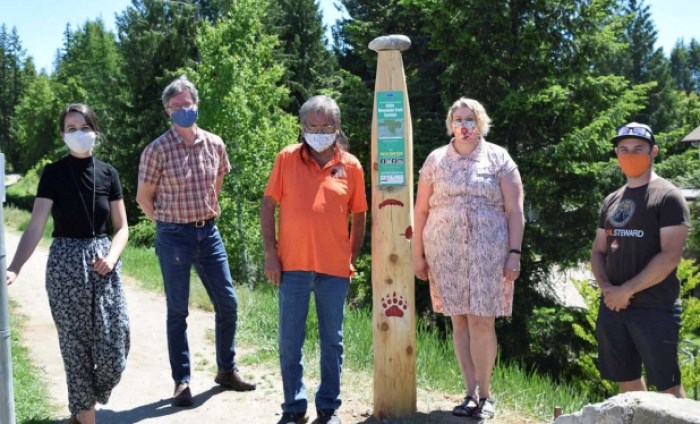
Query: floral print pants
[(89, 311)]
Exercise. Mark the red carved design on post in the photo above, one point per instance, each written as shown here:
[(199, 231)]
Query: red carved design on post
[(394, 305), (391, 202)]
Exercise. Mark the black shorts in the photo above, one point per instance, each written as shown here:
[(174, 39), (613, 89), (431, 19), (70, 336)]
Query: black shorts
[(636, 336)]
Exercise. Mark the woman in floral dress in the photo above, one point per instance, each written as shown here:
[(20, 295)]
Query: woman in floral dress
[(468, 233)]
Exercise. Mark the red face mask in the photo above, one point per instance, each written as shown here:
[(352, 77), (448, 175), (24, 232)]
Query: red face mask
[(634, 164)]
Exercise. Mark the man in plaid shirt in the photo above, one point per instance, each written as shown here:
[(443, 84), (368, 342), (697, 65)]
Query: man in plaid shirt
[(180, 177)]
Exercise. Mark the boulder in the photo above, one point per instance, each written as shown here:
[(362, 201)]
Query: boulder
[(637, 408)]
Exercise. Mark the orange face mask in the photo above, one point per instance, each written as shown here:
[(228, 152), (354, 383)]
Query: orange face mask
[(634, 164)]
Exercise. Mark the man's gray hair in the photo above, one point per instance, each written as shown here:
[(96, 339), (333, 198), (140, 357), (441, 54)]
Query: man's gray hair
[(178, 86), (321, 103), (325, 104)]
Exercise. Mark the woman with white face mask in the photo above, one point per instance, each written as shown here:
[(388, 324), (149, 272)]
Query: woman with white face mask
[(83, 279)]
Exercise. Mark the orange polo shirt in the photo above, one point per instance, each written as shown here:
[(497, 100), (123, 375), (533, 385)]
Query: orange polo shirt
[(315, 206)]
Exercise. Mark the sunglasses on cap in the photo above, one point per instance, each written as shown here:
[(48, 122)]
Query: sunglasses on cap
[(638, 131)]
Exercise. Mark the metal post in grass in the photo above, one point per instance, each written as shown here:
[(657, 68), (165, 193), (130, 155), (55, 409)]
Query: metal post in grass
[(394, 318), (7, 401)]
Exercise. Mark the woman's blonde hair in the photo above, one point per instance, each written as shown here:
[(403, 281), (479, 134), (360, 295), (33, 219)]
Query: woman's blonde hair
[(483, 121)]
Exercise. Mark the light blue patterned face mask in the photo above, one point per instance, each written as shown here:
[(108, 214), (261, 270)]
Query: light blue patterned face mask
[(319, 142)]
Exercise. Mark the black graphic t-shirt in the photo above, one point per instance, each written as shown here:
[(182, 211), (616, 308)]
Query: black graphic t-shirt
[(632, 219)]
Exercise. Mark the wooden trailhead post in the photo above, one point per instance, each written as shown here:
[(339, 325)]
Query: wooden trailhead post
[(394, 318)]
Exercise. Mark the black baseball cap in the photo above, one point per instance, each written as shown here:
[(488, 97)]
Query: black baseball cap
[(635, 130)]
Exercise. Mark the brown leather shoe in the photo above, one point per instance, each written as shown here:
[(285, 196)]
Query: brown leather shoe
[(233, 380), (182, 395)]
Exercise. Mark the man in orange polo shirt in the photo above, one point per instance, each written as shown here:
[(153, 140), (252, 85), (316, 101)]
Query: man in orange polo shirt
[(318, 185)]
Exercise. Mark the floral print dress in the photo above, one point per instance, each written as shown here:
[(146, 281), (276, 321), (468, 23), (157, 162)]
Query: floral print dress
[(466, 234)]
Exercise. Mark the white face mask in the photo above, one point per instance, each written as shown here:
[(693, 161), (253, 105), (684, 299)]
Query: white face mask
[(80, 141), (319, 142)]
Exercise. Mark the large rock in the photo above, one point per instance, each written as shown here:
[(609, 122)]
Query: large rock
[(637, 408)]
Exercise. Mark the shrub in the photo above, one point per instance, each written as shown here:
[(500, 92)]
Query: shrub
[(143, 234), (689, 349), (22, 193)]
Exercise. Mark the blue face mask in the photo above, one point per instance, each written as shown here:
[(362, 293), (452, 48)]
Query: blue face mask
[(185, 117)]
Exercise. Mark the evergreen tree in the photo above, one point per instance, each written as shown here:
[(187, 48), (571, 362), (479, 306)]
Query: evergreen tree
[(535, 65), (681, 69), (156, 40), (88, 71), (641, 63), (640, 35), (370, 19), (685, 66), (355, 92), (310, 65), (13, 82), (662, 111), (694, 53)]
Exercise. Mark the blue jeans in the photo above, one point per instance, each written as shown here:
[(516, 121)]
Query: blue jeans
[(179, 247), (294, 294)]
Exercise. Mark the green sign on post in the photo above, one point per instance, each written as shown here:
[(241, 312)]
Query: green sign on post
[(391, 153)]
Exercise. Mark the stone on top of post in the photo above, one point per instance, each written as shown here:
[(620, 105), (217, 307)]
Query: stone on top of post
[(390, 42)]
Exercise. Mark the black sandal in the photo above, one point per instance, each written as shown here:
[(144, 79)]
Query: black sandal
[(466, 408)]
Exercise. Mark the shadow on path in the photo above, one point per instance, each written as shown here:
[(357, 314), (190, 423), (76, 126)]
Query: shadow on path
[(434, 417), (157, 409)]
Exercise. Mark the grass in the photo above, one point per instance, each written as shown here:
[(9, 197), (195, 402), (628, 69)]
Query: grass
[(517, 390), (31, 405), (26, 186), (19, 219), (141, 264), (23, 191), (30, 394), (514, 386)]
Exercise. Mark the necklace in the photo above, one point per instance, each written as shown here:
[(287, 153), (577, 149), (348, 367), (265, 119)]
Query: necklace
[(90, 218)]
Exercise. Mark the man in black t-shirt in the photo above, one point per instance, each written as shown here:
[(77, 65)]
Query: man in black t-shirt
[(638, 244)]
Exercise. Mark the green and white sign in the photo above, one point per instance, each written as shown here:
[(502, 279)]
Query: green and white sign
[(391, 152)]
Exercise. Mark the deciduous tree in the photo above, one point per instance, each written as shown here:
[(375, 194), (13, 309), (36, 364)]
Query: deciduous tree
[(239, 82)]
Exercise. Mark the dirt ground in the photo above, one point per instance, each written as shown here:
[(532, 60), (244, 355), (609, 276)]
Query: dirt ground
[(143, 396)]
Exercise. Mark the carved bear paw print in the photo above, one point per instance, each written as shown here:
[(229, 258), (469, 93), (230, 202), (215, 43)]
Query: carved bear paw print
[(394, 305)]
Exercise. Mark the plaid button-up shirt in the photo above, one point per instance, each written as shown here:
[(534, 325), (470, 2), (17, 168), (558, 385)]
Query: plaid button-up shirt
[(184, 175)]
